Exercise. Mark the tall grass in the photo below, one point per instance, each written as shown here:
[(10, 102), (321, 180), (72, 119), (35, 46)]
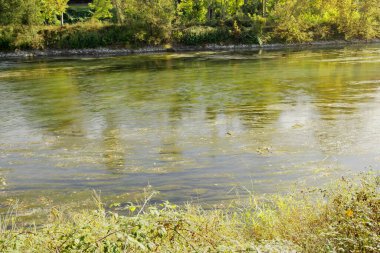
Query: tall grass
[(342, 218)]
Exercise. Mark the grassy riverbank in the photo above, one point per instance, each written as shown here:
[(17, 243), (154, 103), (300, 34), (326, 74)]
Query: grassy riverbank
[(344, 217), (95, 35)]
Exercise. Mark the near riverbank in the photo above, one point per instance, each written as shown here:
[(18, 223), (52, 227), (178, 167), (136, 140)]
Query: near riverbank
[(342, 218)]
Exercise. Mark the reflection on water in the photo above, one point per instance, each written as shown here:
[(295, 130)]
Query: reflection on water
[(192, 125)]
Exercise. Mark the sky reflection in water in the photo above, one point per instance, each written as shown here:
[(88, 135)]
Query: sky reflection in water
[(191, 125)]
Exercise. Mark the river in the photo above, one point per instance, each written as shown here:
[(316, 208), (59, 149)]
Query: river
[(195, 126)]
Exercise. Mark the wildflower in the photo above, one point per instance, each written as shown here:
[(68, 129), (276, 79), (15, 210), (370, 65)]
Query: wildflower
[(349, 213)]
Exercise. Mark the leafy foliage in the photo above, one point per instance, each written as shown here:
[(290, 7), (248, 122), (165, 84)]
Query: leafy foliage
[(89, 35), (151, 21), (20, 12), (188, 22), (101, 9), (302, 20), (342, 218), (190, 11)]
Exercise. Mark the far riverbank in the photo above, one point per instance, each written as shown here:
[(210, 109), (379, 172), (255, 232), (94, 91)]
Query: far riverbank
[(105, 51)]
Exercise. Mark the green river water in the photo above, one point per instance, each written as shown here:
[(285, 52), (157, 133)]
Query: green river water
[(195, 126)]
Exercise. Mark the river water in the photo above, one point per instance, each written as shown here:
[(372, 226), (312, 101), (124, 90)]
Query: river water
[(195, 126)]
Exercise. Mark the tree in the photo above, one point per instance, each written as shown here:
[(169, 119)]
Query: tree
[(31, 12), (152, 20), (119, 7), (10, 11), (101, 9), (51, 9), (61, 7), (190, 10), (20, 12), (49, 13)]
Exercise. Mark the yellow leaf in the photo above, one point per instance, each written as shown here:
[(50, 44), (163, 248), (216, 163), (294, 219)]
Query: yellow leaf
[(349, 213)]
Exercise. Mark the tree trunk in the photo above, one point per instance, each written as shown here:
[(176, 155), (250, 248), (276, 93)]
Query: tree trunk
[(264, 7), (210, 13), (117, 10), (62, 19)]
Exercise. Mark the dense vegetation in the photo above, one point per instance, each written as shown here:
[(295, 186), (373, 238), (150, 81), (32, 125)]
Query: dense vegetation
[(37, 24), (343, 218)]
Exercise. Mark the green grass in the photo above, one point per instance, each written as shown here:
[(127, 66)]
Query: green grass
[(342, 218)]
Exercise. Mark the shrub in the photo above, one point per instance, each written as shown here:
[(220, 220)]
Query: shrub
[(6, 37), (150, 21), (88, 35), (28, 38), (20, 37), (201, 35), (303, 21)]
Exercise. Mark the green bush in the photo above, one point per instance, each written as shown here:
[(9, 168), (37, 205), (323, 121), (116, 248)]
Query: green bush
[(200, 35), (6, 38), (28, 38), (87, 36), (303, 21), (150, 21), (20, 37)]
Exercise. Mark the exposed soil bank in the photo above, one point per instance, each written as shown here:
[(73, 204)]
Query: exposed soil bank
[(178, 48)]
